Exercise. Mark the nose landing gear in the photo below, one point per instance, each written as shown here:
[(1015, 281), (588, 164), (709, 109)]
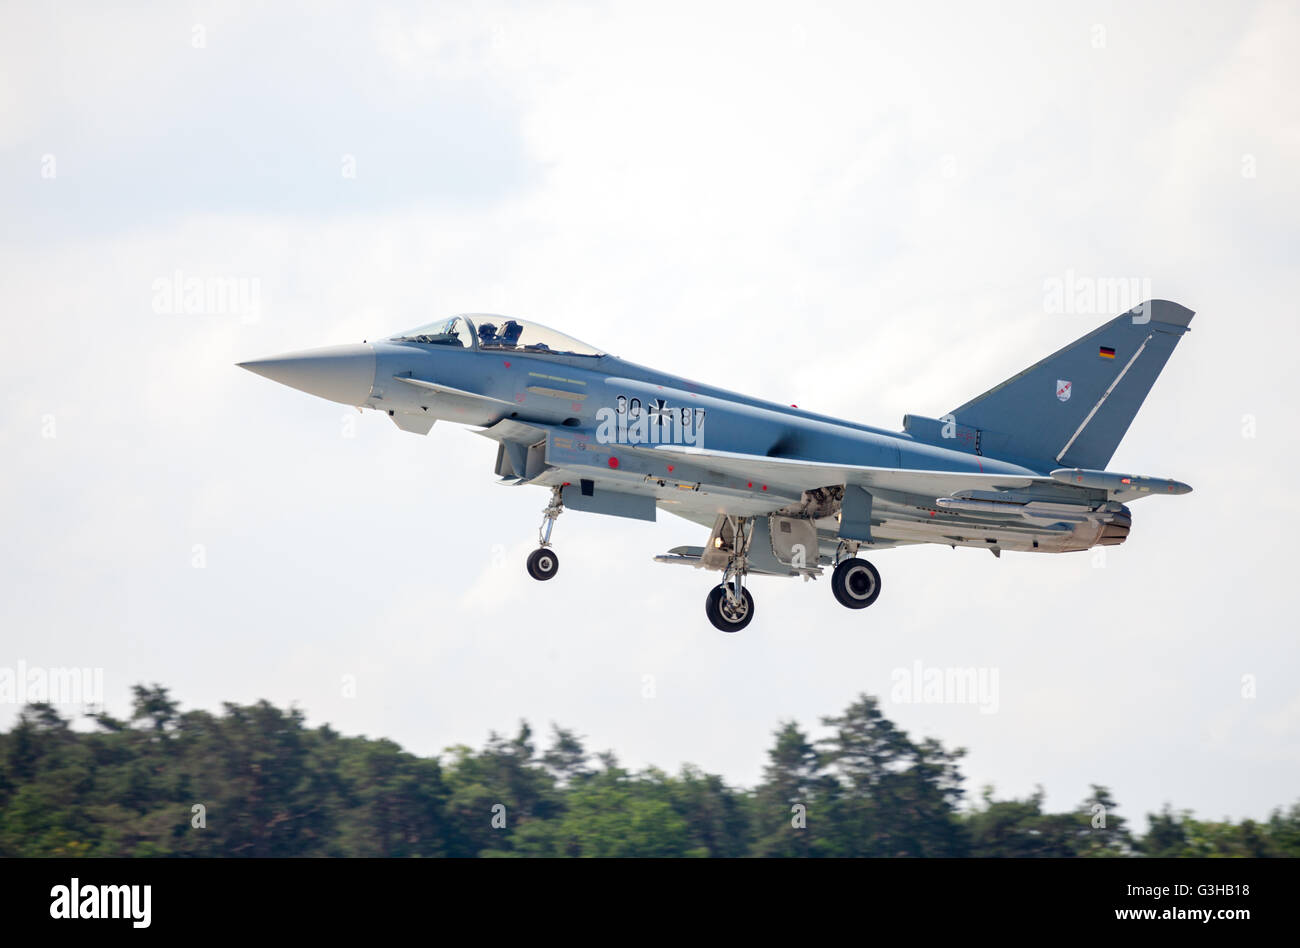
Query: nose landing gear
[(543, 563)]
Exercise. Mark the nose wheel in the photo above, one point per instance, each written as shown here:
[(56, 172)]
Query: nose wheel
[(543, 563)]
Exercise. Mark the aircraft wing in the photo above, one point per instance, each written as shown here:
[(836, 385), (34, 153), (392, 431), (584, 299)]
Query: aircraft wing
[(796, 475), (700, 484)]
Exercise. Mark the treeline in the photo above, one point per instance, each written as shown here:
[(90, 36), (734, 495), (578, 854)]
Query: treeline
[(255, 781)]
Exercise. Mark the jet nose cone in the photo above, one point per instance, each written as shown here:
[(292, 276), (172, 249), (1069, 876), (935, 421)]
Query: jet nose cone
[(340, 373)]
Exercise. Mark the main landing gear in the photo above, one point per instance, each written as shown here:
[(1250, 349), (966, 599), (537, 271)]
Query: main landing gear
[(729, 605), (543, 563), (855, 582), (726, 610)]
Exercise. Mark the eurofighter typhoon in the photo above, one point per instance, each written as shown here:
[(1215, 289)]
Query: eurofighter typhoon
[(783, 492)]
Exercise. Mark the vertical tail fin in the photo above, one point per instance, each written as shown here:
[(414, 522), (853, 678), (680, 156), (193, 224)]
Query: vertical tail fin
[(1072, 408)]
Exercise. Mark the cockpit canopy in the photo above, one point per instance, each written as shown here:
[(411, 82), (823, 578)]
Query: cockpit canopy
[(485, 331)]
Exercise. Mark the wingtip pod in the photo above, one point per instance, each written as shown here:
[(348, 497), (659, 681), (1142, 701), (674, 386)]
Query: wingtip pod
[(1119, 483)]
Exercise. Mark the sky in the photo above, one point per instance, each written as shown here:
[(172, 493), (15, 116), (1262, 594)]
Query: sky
[(867, 209)]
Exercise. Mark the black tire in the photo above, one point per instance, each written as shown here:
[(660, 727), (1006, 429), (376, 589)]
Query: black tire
[(856, 583), (722, 616), (543, 563)]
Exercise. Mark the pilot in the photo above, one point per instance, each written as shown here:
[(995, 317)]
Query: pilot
[(487, 334), (511, 332)]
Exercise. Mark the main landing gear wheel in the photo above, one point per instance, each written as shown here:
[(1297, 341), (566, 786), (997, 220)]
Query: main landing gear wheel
[(856, 583), (726, 614), (543, 563)]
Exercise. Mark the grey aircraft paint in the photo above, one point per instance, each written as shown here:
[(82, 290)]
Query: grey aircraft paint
[(783, 491)]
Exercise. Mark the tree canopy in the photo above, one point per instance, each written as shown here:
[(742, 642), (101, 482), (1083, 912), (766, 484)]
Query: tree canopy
[(255, 780)]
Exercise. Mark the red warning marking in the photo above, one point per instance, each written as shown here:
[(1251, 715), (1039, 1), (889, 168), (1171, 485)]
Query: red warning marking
[(507, 363), (670, 468), (613, 461), (764, 487)]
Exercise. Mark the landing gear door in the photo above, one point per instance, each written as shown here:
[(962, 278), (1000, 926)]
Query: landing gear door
[(794, 541)]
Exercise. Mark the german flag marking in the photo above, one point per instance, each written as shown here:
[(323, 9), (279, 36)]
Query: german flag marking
[(1106, 352)]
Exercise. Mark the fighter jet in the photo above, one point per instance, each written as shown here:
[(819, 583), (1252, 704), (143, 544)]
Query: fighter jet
[(782, 491)]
